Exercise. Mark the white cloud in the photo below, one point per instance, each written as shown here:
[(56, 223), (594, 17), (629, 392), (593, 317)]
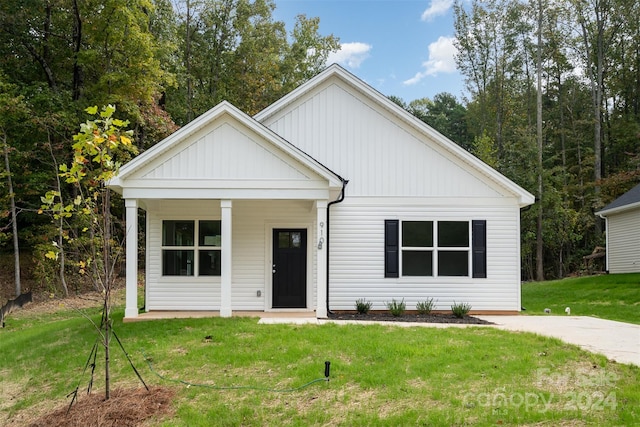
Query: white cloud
[(441, 60), (350, 54), (437, 8)]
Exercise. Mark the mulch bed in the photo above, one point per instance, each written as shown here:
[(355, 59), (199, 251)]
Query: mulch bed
[(125, 408), (417, 318)]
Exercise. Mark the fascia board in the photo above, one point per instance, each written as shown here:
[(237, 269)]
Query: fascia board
[(618, 209)]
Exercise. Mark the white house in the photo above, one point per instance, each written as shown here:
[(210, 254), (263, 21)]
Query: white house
[(622, 219), (331, 194)]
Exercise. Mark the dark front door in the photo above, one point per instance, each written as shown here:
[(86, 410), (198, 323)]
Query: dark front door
[(289, 268)]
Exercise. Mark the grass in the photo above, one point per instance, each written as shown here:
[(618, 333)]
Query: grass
[(611, 296), (380, 375)]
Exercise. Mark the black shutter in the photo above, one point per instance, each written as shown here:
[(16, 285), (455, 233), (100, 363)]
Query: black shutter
[(479, 248), (391, 248)]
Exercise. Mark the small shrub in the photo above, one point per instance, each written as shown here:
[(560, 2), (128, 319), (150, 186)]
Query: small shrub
[(460, 309), (363, 306), (396, 308), (426, 306)]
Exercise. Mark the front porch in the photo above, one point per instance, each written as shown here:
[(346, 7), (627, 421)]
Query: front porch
[(216, 192), (248, 277)]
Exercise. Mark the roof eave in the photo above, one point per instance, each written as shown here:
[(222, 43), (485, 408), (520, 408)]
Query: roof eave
[(606, 212)]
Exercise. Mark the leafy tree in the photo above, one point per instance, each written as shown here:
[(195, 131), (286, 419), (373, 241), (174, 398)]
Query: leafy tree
[(99, 147), (234, 50), (484, 148), (445, 114)]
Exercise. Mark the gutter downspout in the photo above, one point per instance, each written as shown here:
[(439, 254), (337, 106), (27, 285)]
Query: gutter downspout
[(338, 200)]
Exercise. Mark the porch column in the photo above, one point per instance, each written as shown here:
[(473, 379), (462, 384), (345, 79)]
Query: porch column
[(131, 307), (321, 259), (226, 263)]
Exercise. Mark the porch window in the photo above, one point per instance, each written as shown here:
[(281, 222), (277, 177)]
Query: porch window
[(185, 255), (437, 248)]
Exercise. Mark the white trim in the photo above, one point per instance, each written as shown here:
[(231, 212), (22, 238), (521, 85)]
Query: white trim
[(147, 259), (517, 271), (247, 184), (606, 242), (227, 193), (131, 294), (321, 242), (434, 202), (226, 259), (618, 210)]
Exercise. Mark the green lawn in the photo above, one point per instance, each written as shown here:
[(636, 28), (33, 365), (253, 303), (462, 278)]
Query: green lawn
[(380, 375), (610, 296)]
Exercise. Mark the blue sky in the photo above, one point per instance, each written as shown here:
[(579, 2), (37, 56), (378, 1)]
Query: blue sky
[(400, 47)]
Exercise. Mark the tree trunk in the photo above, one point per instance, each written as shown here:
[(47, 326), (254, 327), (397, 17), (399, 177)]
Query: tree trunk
[(539, 239), (14, 218), (77, 45), (107, 277), (187, 60), (595, 70), (61, 242)]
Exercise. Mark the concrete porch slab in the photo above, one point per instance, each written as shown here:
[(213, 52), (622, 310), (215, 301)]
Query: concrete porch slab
[(276, 316)]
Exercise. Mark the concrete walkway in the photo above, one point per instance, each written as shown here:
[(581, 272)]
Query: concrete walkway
[(616, 340)]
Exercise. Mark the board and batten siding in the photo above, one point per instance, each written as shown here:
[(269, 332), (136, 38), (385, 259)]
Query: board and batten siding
[(623, 242), (357, 255), (378, 153), (251, 227)]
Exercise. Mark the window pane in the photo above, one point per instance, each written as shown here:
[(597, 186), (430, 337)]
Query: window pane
[(177, 233), (283, 239), (296, 239), (177, 263), (417, 233), (209, 263), (210, 234), (453, 234), (417, 263), (453, 263)]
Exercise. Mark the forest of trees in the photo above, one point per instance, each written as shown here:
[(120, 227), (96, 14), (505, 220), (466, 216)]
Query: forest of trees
[(554, 104), (553, 98)]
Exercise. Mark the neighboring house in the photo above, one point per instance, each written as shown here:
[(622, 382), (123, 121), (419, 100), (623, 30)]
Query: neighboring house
[(622, 218), (331, 194)]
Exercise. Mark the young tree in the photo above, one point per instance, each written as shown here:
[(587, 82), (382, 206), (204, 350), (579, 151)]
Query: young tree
[(97, 149)]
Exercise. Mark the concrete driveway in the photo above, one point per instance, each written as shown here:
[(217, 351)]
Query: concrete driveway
[(618, 341)]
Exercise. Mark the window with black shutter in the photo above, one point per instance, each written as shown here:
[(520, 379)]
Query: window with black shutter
[(391, 249), (479, 248), (435, 248)]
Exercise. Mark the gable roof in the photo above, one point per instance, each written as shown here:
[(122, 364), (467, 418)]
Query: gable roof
[(380, 101), (280, 160), (629, 200)]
